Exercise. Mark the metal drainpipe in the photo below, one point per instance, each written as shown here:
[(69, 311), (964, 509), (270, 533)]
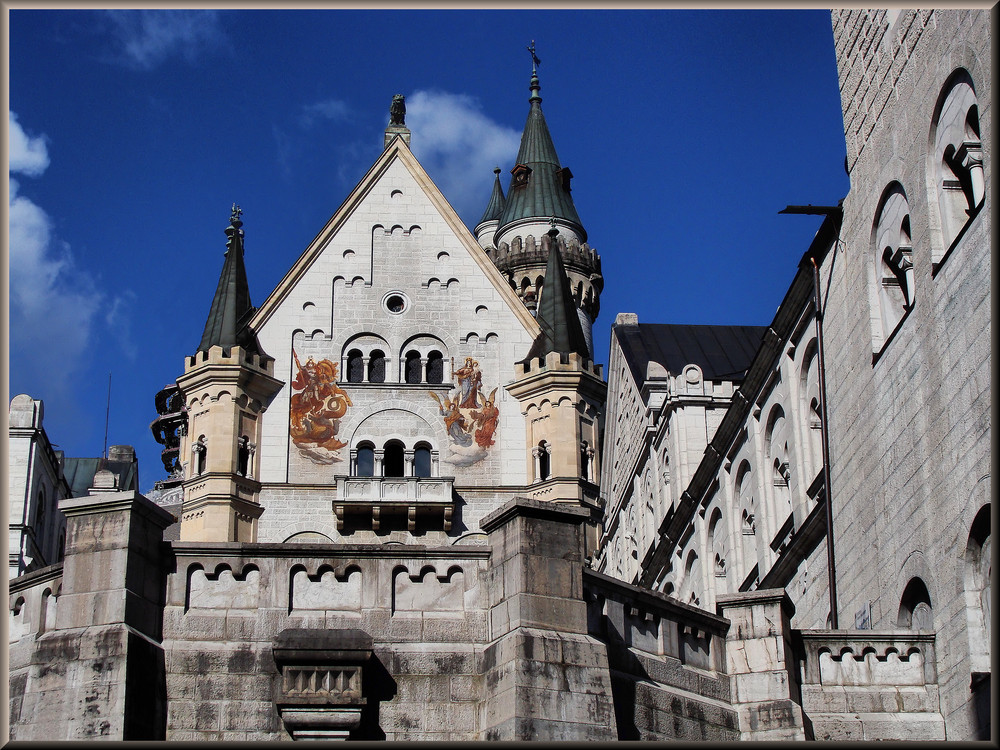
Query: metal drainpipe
[(830, 557)]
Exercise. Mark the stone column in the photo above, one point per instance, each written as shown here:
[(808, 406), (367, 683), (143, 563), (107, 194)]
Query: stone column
[(761, 665), (552, 680)]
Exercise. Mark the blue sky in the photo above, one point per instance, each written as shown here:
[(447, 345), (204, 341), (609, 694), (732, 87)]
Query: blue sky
[(133, 132)]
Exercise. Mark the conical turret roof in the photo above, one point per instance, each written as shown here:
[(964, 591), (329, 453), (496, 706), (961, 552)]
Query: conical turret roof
[(494, 209), (557, 312), (231, 308), (540, 185)]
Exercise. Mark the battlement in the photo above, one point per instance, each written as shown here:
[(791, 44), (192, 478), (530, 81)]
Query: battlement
[(529, 251), (559, 362), (236, 355)]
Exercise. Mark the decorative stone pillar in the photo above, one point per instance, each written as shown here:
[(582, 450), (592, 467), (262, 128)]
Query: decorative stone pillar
[(320, 697), (970, 156), (409, 469), (761, 664), (379, 455)]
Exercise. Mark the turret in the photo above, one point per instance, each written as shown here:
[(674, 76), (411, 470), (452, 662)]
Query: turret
[(227, 385), (487, 226), (539, 197), (561, 392)]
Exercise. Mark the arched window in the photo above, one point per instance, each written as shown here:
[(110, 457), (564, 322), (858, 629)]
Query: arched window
[(957, 159), (717, 543), (422, 460), (915, 607), (812, 421), (893, 264), (435, 367), (40, 513), (978, 590), (365, 462), (355, 367), (777, 441), (393, 459), (411, 368), (748, 521), (543, 463), (376, 367), (200, 451), (243, 456), (692, 571), (585, 460)]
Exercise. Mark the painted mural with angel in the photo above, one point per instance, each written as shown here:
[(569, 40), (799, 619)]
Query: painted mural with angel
[(316, 407), (470, 417)]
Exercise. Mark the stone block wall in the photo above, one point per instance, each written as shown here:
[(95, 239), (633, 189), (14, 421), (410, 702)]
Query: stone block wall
[(910, 416), (422, 607)]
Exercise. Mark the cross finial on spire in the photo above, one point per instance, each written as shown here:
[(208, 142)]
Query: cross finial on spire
[(553, 231), (535, 62), (237, 212)]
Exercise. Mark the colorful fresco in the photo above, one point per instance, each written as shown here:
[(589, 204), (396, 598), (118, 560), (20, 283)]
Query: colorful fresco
[(470, 417), (317, 405)]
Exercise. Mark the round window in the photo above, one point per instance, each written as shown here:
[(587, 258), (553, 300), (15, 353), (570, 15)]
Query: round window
[(395, 304)]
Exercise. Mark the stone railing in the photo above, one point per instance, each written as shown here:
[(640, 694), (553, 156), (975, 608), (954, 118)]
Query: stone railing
[(838, 657), (870, 685), (373, 497), (654, 623)]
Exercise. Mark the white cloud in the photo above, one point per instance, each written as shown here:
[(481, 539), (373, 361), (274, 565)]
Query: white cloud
[(459, 146), (54, 304), (148, 37), (29, 156), (329, 109)]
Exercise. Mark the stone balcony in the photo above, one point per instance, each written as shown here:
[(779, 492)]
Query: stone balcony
[(430, 499)]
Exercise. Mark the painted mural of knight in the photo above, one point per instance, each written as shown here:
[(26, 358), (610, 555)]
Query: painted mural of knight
[(317, 406)]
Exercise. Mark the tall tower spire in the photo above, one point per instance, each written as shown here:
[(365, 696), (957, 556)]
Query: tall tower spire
[(231, 307), (539, 197), (539, 186)]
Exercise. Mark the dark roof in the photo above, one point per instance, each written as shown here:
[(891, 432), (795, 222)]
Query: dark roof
[(546, 192), (722, 352), (556, 315), (231, 308), (79, 473), (494, 208)]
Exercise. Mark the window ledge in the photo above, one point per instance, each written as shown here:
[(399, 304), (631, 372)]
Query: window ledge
[(876, 356), (936, 266)]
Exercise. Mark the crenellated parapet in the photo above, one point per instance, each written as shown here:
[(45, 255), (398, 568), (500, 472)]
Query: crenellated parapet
[(523, 261)]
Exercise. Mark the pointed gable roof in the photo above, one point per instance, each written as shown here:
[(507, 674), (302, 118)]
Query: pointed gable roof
[(397, 151), (561, 330), (228, 316), (540, 186)]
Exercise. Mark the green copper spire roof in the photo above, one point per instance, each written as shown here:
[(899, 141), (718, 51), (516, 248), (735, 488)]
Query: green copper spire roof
[(539, 187), (557, 316), (231, 308), (495, 207)]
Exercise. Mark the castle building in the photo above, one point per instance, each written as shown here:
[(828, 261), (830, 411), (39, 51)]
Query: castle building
[(403, 503)]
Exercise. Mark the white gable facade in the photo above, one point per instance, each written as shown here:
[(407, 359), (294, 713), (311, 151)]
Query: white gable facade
[(393, 276)]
